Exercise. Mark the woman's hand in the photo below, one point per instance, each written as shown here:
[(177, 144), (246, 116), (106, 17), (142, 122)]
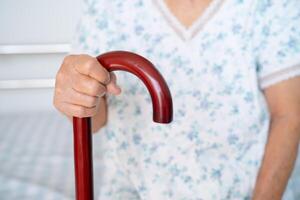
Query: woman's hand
[(81, 83)]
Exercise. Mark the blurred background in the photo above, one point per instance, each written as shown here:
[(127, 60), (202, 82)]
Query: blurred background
[(36, 157), (36, 152)]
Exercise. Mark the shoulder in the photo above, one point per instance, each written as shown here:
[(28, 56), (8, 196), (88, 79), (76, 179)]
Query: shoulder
[(277, 44)]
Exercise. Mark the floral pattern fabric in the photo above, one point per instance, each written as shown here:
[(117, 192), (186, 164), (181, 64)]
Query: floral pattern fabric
[(213, 148)]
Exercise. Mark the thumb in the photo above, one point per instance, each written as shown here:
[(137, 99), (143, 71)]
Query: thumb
[(112, 86)]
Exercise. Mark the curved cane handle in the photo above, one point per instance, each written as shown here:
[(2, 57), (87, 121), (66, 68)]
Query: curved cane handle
[(144, 69), (162, 113)]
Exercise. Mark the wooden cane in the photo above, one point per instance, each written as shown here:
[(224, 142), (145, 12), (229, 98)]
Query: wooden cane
[(162, 113)]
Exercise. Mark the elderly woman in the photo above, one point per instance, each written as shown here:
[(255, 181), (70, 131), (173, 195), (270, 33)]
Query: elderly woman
[(232, 67)]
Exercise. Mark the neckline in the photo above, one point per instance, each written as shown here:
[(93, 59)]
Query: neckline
[(188, 33)]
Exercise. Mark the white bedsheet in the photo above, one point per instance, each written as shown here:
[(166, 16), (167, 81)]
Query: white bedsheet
[(36, 157)]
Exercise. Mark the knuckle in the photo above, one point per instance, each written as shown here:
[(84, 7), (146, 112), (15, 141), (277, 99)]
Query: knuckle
[(90, 64), (59, 76), (68, 59), (56, 98), (57, 90), (83, 56)]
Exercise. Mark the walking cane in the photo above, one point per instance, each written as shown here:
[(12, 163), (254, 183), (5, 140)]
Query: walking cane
[(162, 113)]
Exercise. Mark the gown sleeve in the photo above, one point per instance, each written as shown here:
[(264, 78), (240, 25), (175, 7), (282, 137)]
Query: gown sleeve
[(278, 45)]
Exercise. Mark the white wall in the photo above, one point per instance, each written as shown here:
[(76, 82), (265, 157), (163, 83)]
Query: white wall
[(34, 37)]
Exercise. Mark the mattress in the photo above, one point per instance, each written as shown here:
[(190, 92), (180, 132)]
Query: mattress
[(36, 157)]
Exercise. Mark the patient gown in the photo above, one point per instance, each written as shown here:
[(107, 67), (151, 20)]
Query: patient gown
[(217, 70)]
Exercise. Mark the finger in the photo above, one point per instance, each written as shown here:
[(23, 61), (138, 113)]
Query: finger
[(87, 85), (112, 87), (74, 97), (77, 110), (91, 67)]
